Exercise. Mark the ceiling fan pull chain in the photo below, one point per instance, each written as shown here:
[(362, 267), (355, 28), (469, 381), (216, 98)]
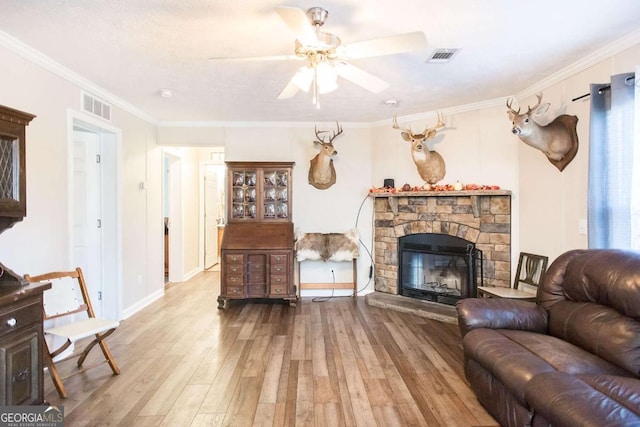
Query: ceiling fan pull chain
[(316, 92)]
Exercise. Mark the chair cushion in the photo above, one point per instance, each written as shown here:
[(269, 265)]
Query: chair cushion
[(83, 328)]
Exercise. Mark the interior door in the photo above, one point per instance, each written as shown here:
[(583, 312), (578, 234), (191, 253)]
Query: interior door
[(210, 217), (87, 224)]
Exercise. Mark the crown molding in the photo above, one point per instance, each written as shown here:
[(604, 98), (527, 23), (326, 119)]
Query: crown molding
[(295, 125), (590, 60), (38, 58)]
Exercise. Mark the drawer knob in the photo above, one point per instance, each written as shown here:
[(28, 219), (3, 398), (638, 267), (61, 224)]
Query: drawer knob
[(12, 322), (22, 375)]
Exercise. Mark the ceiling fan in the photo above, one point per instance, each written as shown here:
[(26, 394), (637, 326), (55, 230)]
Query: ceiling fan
[(326, 57)]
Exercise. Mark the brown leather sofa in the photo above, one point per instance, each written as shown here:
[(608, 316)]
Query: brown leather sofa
[(572, 358)]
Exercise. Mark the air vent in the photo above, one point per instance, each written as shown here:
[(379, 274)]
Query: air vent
[(442, 55), (95, 106)]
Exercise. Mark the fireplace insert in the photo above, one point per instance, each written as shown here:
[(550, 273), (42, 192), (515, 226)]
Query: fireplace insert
[(438, 267)]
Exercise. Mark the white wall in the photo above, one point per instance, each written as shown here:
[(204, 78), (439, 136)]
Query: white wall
[(42, 241)]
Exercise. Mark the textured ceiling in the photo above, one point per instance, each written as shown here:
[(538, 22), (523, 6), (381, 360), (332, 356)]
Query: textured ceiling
[(135, 48)]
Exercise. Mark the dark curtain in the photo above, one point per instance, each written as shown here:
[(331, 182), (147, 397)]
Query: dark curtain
[(611, 163)]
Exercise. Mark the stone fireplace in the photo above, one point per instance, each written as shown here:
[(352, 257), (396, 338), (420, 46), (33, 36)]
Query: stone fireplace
[(481, 217)]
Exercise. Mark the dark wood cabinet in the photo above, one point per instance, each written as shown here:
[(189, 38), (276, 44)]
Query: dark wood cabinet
[(257, 246), (21, 345), (21, 312), (13, 181)]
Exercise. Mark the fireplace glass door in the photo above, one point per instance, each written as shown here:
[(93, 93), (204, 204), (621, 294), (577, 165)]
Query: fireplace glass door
[(437, 268), (437, 277)]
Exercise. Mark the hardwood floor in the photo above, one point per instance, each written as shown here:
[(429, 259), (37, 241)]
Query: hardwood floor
[(340, 362)]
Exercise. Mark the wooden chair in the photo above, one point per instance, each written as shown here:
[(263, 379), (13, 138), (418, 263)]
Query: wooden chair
[(68, 296), (531, 270)]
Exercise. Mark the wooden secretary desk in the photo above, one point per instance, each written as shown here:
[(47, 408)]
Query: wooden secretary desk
[(257, 246), (21, 312)]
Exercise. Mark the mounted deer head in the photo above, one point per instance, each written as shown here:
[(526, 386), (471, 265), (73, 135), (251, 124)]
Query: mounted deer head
[(558, 140), (322, 174), (430, 164)]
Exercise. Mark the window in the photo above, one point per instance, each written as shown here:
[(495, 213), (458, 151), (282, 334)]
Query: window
[(614, 164)]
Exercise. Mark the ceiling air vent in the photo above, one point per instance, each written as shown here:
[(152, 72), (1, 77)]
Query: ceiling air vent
[(442, 55), (95, 106)]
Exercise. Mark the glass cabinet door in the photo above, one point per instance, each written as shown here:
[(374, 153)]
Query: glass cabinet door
[(259, 191), (244, 194), (276, 194)]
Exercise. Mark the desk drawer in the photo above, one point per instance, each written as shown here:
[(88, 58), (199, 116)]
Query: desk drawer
[(21, 315), (256, 278), (235, 291), (234, 258), (279, 259), (234, 280), (279, 269), (279, 287), (234, 268)]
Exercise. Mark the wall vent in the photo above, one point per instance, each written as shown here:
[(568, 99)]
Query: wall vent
[(442, 55), (95, 106)]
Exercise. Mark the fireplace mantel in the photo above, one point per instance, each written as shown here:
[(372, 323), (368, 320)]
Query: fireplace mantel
[(474, 195)]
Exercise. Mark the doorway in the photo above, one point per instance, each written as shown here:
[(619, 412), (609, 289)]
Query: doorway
[(94, 208), (213, 212), (172, 207)]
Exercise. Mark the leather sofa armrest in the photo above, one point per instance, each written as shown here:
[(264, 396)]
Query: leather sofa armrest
[(500, 313)]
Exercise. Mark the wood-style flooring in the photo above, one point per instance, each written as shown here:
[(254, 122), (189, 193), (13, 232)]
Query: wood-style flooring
[(263, 363)]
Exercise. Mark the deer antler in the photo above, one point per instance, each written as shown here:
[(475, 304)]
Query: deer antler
[(539, 96), (437, 125), (395, 125), (336, 133), (511, 110)]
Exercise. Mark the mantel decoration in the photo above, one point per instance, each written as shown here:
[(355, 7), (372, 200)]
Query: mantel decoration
[(457, 186)]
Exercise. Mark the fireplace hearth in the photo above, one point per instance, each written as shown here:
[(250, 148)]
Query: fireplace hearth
[(438, 267)]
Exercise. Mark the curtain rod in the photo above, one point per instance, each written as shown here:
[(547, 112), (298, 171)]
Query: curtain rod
[(607, 87)]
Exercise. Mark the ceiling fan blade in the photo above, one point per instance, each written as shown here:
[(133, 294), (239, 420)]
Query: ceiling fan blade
[(289, 90), (296, 19), (360, 77), (399, 43), (252, 58)]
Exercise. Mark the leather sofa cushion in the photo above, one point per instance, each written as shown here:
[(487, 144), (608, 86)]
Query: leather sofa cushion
[(598, 329), (585, 400), (515, 357), (605, 276)]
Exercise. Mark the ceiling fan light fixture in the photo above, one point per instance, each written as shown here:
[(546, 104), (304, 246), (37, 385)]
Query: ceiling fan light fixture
[(303, 78), (326, 77)]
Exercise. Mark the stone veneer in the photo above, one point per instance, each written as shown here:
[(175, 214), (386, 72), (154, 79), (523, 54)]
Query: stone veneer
[(482, 217)]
